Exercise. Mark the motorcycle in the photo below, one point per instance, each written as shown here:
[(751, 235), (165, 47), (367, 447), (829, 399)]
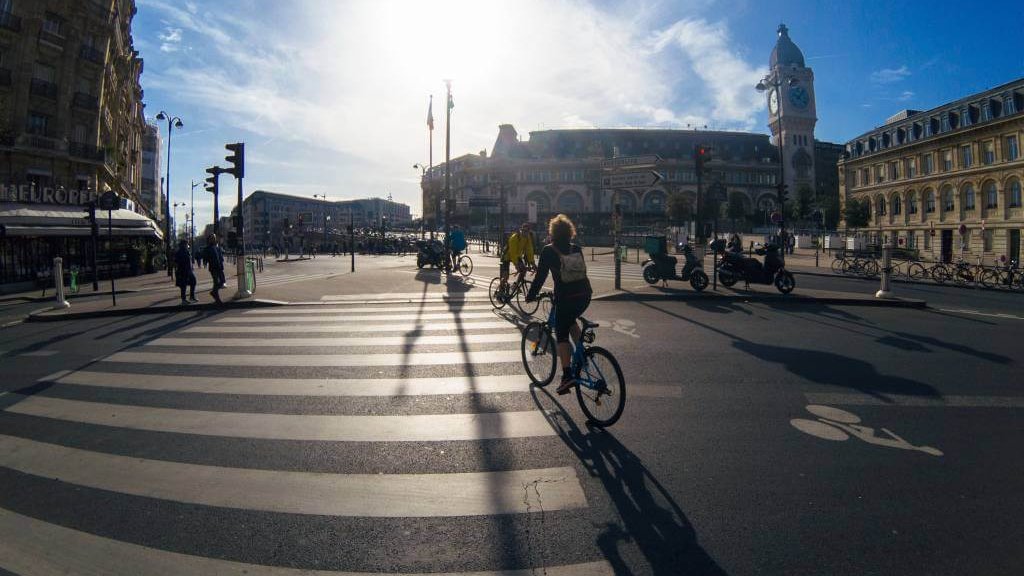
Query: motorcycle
[(734, 267), (429, 252), (663, 267)]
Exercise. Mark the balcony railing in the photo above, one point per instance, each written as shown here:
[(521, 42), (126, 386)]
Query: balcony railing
[(43, 88), (85, 101), (5, 76), (87, 151), (51, 38), (91, 54), (10, 21), (43, 142)]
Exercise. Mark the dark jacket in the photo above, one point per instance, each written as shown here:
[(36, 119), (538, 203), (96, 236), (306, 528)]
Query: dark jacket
[(183, 275), (551, 262), (214, 257)]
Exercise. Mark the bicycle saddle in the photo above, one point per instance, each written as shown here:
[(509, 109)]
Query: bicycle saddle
[(587, 324)]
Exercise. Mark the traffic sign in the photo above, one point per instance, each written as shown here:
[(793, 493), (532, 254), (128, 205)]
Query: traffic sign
[(776, 217), (641, 179), (108, 201), (483, 202), (963, 229), (631, 161)]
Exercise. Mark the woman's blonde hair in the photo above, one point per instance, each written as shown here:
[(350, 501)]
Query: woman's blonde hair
[(561, 228)]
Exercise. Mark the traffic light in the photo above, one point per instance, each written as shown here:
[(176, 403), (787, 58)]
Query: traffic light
[(237, 159), (701, 157), (783, 193), (90, 213), (211, 182)]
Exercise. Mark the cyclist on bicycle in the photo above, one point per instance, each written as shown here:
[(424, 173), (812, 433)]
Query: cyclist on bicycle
[(457, 245), (518, 250), (564, 259)]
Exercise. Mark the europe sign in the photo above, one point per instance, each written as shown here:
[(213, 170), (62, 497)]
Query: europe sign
[(30, 194)]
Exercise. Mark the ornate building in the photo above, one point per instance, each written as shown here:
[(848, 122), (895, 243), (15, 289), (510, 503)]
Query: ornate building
[(71, 126), (792, 113), (945, 181)]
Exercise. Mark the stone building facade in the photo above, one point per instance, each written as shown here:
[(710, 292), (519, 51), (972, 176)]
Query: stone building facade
[(946, 181)]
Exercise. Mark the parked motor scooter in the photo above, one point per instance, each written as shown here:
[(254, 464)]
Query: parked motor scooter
[(662, 267), (735, 267), (430, 252)]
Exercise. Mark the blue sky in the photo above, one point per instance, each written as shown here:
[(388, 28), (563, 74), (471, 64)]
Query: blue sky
[(330, 96)]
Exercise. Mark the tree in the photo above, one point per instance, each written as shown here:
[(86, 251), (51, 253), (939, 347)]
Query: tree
[(800, 207), (857, 213), (678, 208)]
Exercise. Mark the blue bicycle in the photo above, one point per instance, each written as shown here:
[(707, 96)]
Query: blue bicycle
[(600, 387)]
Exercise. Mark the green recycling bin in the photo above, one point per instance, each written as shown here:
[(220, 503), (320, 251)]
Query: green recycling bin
[(73, 288), (250, 276), (622, 253)]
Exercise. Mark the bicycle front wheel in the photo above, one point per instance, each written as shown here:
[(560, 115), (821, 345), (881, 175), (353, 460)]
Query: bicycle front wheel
[(601, 389), (539, 353), (525, 307), (497, 294), (837, 266), (465, 266), (916, 272)]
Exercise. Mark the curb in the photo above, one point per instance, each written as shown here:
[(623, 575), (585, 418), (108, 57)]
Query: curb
[(59, 316), (763, 298)]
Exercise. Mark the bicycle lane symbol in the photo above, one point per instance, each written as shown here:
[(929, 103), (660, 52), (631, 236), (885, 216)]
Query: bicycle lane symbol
[(622, 326), (839, 425)]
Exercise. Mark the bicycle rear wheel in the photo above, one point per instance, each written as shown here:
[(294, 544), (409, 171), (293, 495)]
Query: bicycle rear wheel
[(916, 272), (539, 353), (465, 266), (941, 274), (870, 268), (837, 266), (603, 404)]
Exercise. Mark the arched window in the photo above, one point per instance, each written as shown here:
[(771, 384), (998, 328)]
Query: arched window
[(654, 202), (628, 202), (1015, 200), (968, 197), (881, 206), (765, 204), (929, 201), (570, 202), (542, 200), (991, 196), (947, 200), (912, 203), (897, 205)]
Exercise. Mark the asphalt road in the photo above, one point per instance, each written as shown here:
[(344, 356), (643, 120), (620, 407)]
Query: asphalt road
[(756, 440)]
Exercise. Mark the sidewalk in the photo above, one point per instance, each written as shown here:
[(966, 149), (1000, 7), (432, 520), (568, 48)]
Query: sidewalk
[(328, 280)]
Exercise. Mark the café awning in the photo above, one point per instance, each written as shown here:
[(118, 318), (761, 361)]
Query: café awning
[(42, 220)]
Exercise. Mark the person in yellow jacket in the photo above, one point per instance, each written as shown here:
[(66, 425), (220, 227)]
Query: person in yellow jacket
[(518, 251)]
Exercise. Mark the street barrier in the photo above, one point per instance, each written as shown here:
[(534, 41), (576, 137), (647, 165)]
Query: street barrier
[(58, 284)]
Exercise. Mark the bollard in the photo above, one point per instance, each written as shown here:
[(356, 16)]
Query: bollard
[(885, 291), (58, 284)]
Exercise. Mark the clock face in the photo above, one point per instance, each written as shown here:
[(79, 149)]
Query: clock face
[(799, 97), (773, 101)]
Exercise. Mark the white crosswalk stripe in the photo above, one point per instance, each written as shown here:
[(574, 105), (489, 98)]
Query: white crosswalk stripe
[(249, 379)]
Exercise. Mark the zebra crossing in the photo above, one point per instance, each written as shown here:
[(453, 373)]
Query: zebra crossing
[(337, 439)]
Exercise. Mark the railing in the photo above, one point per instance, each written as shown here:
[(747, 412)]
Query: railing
[(43, 88), (91, 54), (85, 101), (10, 21), (36, 141), (87, 151)]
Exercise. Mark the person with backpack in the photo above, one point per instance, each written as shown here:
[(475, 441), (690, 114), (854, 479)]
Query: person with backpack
[(564, 259)]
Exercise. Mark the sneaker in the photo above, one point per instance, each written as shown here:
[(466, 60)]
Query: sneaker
[(193, 299), (184, 302), (567, 383)]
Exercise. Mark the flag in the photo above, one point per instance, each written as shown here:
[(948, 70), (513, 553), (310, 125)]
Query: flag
[(430, 114)]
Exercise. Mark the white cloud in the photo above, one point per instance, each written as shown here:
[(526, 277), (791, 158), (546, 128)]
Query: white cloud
[(170, 39), (905, 95), (351, 80), (890, 75)]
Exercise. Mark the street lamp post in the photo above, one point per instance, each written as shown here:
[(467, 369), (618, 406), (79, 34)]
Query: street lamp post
[(192, 211), (423, 174), (776, 82), (176, 205), (172, 122), (325, 216)]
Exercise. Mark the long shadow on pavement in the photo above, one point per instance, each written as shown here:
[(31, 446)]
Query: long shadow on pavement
[(650, 518)]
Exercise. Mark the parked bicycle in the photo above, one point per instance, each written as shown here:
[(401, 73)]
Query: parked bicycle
[(597, 377), (1005, 276), (502, 293)]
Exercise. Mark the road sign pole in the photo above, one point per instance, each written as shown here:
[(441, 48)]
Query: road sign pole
[(110, 255)]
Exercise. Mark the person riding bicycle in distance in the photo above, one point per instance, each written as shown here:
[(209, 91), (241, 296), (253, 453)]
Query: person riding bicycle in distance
[(518, 250), (457, 245), (564, 260)]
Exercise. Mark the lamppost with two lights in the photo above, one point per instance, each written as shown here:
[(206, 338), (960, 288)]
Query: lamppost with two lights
[(172, 122)]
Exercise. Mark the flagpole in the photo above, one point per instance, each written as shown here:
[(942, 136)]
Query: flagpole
[(447, 163), (430, 171)]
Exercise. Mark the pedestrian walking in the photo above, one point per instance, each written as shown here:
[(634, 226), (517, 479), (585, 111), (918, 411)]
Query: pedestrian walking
[(215, 260), (184, 276)]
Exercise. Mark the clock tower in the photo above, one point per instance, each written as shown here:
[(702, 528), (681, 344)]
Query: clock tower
[(791, 112)]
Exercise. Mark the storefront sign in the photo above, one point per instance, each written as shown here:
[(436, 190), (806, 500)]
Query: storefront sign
[(30, 194)]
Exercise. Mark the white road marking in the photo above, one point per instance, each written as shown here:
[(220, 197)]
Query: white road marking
[(459, 327), (363, 309), (404, 295), (27, 547), (299, 386), (40, 353), (323, 494), (839, 399), (976, 313), (343, 318), (332, 428), (255, 360), (337, 342)]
